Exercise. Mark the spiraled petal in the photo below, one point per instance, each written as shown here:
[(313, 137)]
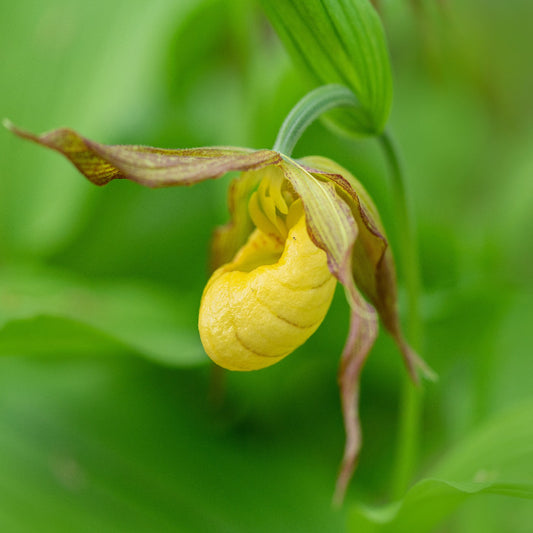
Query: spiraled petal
[(152, 167)]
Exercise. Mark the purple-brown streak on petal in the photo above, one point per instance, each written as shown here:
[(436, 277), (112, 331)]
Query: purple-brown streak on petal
[(148, 166)]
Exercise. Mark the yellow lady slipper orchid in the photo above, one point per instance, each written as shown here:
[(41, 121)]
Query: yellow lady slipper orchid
[(297, 226)]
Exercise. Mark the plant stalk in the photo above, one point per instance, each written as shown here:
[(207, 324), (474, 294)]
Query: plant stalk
[(411, 395)]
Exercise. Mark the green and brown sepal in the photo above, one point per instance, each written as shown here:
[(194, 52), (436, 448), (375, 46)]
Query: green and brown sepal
[(146, 165)]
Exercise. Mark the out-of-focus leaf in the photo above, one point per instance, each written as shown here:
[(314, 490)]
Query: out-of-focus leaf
[(501, 449), (496, 459), (44, 312), (427, 504), (340, 41), (63, 62), (53, 336), (120, 445)]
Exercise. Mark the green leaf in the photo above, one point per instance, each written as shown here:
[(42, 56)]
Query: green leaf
[(46, 335), (46, 312), (496, 459), (501, 449), (71, 65), (116, 445), (343, 42), (427, 504)]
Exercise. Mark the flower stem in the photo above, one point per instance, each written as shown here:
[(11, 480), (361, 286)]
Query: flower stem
[(307, 110), (411, 399)]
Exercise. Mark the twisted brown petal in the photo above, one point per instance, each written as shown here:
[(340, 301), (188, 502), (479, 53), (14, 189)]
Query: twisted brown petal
[(361, 337), (152, 167)]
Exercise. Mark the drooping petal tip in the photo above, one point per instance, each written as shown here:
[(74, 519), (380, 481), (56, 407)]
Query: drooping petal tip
[(361, 337)]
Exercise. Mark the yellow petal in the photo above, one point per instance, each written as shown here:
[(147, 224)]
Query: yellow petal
[(267, 302)]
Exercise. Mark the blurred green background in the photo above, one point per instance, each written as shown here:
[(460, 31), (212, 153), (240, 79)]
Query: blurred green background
[(110, 417)]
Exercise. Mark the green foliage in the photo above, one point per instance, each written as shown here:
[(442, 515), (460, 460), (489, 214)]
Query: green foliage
[(339, 41), (497, 459), (123, 446), (51, 312), (428, 504)]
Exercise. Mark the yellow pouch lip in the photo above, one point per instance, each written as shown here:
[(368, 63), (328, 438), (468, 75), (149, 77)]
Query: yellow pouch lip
[(250, 318)]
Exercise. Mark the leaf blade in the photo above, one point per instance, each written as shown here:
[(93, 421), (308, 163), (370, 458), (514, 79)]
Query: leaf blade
[(497, 458), (428, 504), (339, 41), (41, 311)]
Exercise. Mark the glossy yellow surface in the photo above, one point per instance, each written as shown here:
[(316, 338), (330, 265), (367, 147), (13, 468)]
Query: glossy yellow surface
[(268, 301)]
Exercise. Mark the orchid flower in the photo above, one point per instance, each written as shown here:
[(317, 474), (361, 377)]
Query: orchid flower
[(297, 226)]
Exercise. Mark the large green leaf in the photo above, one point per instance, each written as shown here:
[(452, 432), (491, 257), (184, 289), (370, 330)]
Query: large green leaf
[(496, 459), (44, 312), (427, 504), (339, 41), (110, 446), (88, 64)]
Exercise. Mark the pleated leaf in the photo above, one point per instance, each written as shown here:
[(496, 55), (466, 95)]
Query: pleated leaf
[(339, 41)]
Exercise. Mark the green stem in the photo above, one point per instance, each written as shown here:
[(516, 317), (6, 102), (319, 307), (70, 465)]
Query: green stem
[(307, 110), (411, 399)]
